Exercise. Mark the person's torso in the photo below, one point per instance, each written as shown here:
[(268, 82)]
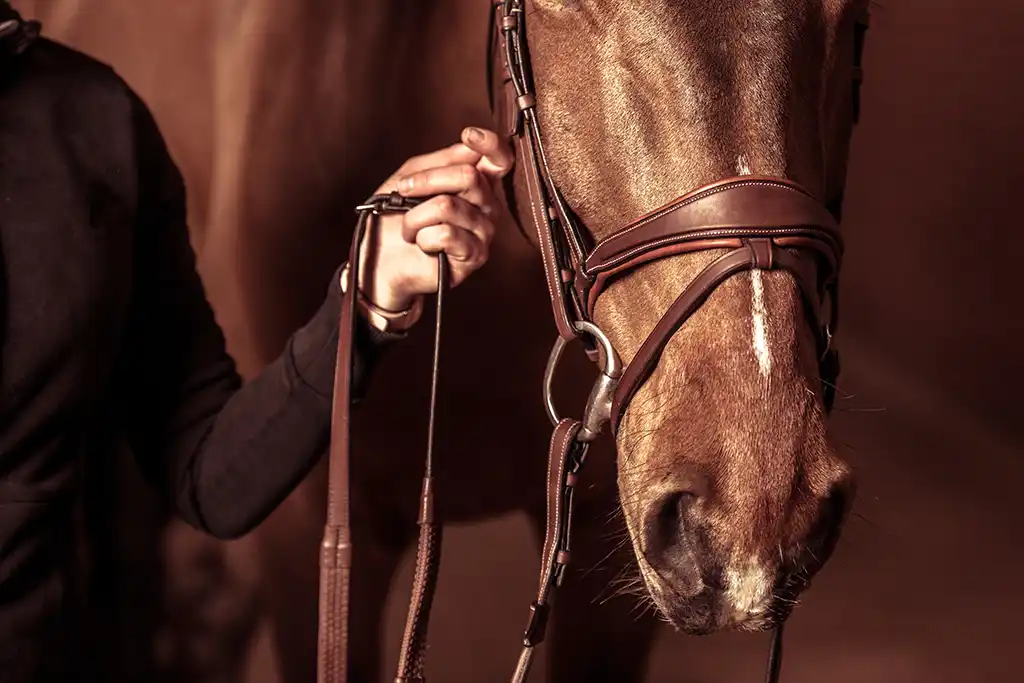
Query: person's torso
[(67, 179)]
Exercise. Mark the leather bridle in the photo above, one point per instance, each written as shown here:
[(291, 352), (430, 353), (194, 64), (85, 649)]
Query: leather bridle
[(763, 223)]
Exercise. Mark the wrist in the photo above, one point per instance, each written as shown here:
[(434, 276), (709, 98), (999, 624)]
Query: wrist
[(385, 310), (388, 299), (381, 287)]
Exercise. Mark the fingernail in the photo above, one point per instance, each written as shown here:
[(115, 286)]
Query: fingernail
[(474, 135), (404, 184)]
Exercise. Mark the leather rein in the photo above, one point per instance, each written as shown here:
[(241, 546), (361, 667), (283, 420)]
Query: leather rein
[(764, 223)]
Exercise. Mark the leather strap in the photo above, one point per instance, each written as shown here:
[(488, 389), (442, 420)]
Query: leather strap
[(566, 455), (413, 653), (546, 238), (546, 206), (774, 669), (720, 215), (755, 253), (726, 207), (336, 548)]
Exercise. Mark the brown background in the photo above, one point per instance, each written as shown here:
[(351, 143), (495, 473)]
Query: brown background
[(280, 115)]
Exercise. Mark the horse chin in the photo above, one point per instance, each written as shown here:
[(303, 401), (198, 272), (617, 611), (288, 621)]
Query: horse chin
[(708, 612), (699, 620)]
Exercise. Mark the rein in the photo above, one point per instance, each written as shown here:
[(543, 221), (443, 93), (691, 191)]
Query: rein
[(336, 548)]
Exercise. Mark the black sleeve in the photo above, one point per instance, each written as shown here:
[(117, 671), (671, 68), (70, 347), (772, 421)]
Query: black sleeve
[(226, 455)]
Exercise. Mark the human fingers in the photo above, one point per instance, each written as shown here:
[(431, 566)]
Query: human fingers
[(446, 156), (464, 180), (463, 248), (497, 158), (448, 209)]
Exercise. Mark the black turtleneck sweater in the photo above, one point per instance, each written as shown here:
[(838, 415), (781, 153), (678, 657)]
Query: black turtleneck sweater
[(107, 336)]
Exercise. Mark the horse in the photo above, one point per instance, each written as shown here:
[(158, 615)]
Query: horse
[(639, 103), (731, 495)]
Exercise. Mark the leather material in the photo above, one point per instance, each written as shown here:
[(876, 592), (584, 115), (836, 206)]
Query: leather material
[(336, 548), (755, 253), (412, 660), (730, 208), (566, 455), (718, 216), (730, 205), (557, 290)]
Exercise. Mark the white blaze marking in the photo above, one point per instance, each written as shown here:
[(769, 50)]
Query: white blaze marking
[(748, 587), (760, 320), (760, 313), (742, 168)]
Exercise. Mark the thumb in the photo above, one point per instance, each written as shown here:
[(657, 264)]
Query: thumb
[(497, 158)]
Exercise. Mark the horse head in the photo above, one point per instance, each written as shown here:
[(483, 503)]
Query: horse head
[(732, 494)]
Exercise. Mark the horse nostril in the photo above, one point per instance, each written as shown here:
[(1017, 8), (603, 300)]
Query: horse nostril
[(674, 506), (837, 501), (668, 519)]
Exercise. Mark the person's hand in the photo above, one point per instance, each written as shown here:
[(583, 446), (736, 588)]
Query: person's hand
[(397, 257)]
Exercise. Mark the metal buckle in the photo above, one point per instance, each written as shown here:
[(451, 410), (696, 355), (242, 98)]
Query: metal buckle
[(393, 202), (599, 405)]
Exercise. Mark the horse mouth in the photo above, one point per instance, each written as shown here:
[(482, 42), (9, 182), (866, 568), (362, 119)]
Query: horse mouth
[(710, 611), (695, 620)]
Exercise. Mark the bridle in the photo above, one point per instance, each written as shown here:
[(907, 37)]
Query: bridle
[(763, 223)]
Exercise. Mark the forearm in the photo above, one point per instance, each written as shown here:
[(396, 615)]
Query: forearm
[(270, 433), (224, 454), (311, 353)]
